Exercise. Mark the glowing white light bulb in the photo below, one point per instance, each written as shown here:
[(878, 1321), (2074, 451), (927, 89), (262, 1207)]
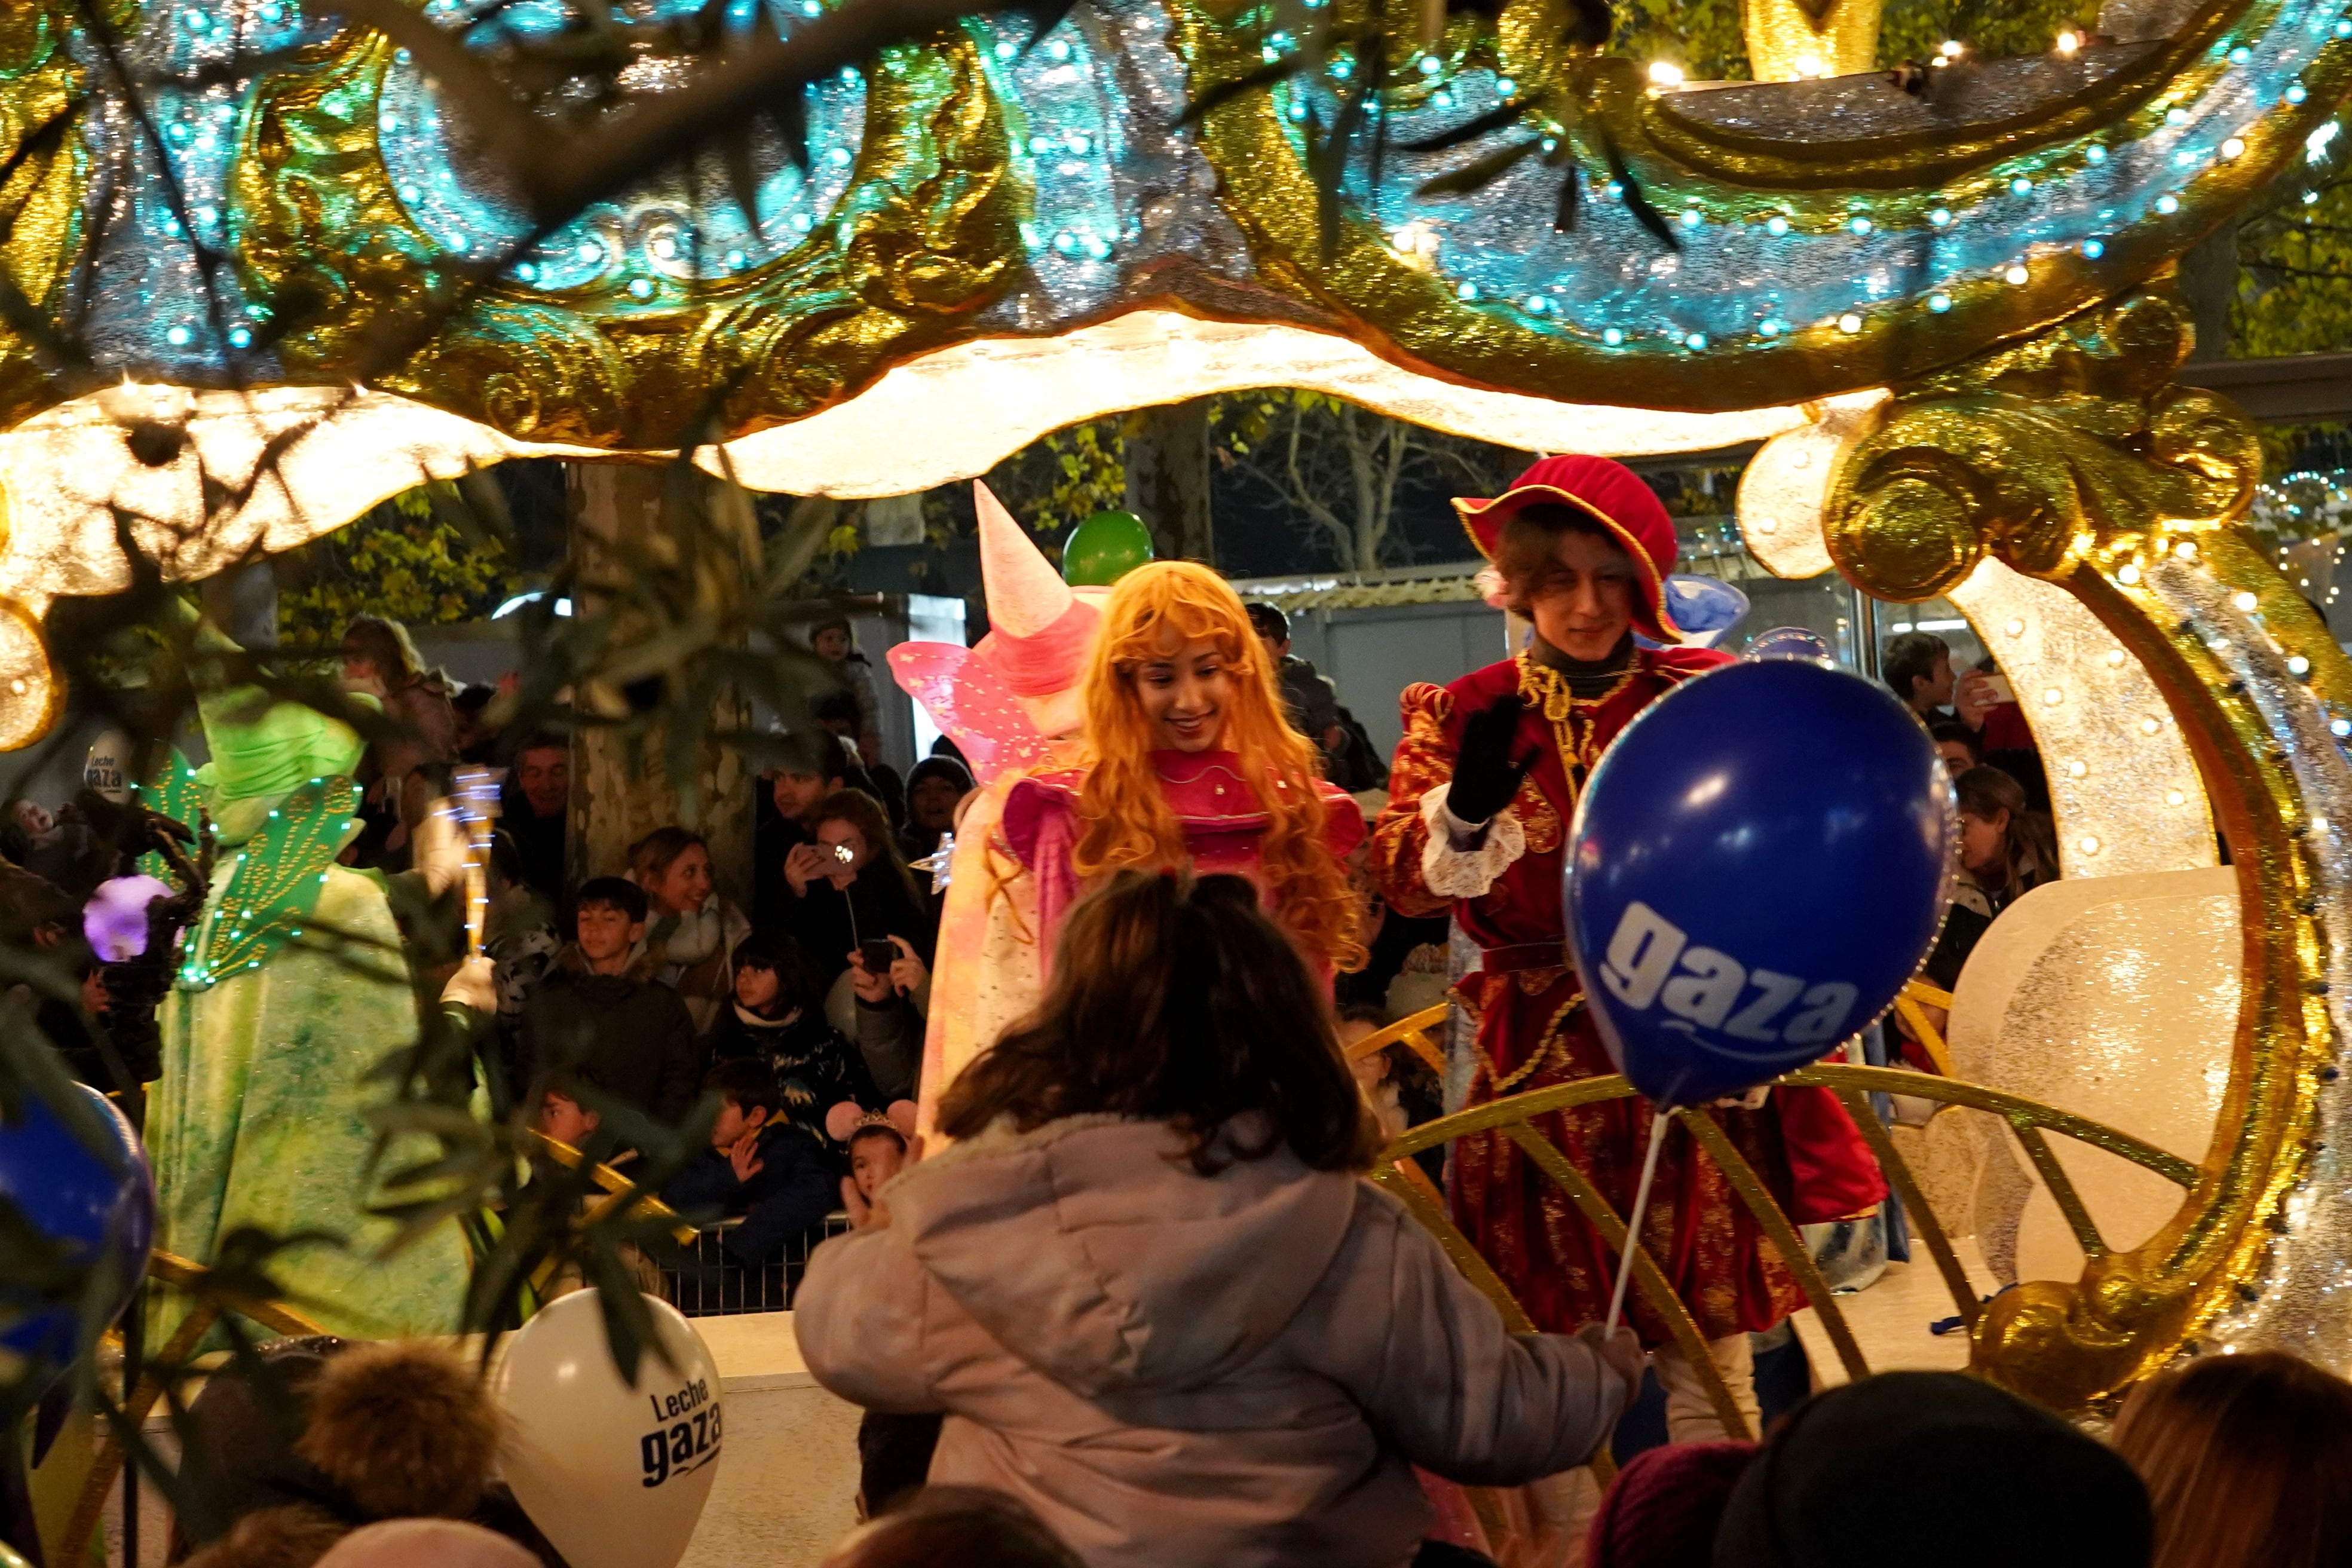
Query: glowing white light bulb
[(2016, 626), (2175, 797), (2069, 41), (2051, 697), (2128, 575), (2090, 844), (2185, 550), (2077, 769), (2243, 600), (1665, 74)]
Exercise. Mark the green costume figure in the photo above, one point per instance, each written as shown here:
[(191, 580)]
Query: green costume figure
[(293, 988)]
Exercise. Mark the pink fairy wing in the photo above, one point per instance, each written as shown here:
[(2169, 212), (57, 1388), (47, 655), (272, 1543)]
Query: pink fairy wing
[(970, 705)]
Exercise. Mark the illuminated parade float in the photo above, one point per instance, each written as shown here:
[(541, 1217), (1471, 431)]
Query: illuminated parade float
[(1945, 307)]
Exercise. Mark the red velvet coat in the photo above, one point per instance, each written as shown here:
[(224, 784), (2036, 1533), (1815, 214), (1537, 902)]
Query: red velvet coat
[(1533, 1031)]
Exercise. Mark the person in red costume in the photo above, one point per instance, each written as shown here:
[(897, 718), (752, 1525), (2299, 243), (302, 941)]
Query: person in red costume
[(1483, 791)]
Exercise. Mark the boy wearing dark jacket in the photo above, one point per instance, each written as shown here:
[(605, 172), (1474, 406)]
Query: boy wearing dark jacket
[(758, 1166), (596, 1018)]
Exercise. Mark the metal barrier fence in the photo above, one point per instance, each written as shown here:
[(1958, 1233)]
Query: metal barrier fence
[(710, 1283)]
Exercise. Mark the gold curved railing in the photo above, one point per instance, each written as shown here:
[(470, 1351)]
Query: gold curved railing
[(2029, 1122)]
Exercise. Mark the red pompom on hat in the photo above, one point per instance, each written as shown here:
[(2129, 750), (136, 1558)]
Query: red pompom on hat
[(1614, 496)]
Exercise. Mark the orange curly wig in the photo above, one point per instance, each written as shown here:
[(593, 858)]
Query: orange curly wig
[(1153, 611)]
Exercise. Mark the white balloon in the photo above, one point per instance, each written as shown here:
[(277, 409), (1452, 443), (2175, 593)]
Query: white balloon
[(614, 1475)]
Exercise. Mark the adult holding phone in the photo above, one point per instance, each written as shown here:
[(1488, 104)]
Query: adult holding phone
[(849, 885)]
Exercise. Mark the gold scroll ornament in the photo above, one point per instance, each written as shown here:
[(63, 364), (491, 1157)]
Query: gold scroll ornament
[(927, 231), (2075, 458)]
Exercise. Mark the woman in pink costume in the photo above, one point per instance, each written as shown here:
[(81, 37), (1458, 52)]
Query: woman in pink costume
[(1136, 730)]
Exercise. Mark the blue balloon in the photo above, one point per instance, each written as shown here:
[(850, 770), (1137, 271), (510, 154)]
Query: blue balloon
[(1787, 642), (1704, 609), (1756, 868), (98, 1206)]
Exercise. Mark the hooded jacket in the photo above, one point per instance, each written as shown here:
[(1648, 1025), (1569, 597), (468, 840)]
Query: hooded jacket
[(1234, 1371)]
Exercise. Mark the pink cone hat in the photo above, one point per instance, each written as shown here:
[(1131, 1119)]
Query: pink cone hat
[(1039, 627)]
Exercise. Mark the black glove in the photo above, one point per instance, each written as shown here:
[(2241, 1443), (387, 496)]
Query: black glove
[(1485, 776)]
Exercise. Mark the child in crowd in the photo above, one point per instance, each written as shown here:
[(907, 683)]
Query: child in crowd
[(833, 642), (597, 1014), (563, 1118), (894, 1450), (879, 1145), (777, 1018), (2248, 1460), (1398, 1087), (759, 1167), (1151, 1290)]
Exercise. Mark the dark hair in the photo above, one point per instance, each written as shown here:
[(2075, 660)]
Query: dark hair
[(863, 813), (651, 856), (2032, 848), (836, 624), (940, 767), (797, 983), (2247, 1459), (1364, 1013), (613, 893), (815, 751), (1268, 621), (1911, 657), (1985, 1478), (473, 697), (877, 1130), (1944, 730), (1175, 998), (1527, 549), (544, 741), (969, 1527), (746, 1084)]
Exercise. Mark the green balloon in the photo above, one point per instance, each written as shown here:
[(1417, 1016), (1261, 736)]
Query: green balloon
[(1105, 548)]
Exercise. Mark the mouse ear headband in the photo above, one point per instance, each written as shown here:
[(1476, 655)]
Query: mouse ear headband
[(845, 1120)]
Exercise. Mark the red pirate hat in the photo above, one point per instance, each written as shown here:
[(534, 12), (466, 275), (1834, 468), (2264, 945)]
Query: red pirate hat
[(1614, 496)]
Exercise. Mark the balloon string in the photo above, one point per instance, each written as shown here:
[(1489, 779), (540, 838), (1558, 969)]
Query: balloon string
[(1633, 1223)]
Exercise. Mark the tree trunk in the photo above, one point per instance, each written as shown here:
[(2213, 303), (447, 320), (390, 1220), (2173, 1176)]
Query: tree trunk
[(621, 792), (2209, 282), (1167, 479)]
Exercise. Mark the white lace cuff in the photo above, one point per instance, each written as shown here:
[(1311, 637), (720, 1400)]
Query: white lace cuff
[(1452, 873)]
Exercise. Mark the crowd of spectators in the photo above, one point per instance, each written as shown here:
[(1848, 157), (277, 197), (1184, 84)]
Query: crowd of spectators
[(1174, 1327), (641, 984)]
